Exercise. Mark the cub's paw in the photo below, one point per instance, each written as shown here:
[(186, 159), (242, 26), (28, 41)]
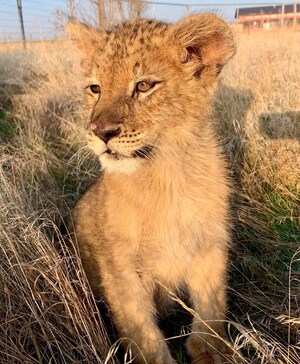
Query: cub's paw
[(210, 358), (215, 352)]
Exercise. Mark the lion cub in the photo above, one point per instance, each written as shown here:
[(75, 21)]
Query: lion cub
[(157, 219)]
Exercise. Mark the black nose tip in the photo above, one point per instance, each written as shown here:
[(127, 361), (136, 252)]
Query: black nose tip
[(106, 135)]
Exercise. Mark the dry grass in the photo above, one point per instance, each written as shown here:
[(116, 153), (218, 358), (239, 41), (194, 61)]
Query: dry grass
[(258, 112), (47, 312)]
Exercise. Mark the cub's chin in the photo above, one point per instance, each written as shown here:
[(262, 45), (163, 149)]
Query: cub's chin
[(111, 162)]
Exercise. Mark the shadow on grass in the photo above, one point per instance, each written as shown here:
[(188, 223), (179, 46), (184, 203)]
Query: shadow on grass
[(266, 227), (230, 111), (280, 125), (7, 127)]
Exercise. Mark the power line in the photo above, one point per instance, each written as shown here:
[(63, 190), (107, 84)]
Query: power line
[(18, 17), (210, 4)]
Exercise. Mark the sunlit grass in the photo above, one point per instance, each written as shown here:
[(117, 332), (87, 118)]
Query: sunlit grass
[(47, 311)]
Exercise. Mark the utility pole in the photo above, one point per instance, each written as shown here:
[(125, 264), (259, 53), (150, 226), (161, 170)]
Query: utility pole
[(19, 4), (282, 16), (295, 12), (101, 14), (187, 9), (72, 9)]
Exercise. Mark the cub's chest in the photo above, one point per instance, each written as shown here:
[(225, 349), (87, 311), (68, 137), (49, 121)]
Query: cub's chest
[(166, 251), (150, 220), (161, 236)]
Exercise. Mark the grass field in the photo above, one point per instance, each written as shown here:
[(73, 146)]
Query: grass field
[(47, 312)]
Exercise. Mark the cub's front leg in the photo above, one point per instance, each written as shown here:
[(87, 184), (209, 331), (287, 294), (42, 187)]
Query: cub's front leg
[(131, 301), (207, 285)]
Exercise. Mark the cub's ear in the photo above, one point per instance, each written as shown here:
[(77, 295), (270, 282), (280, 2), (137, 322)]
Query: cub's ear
[(204, 39), (82, 35), (86, 40)]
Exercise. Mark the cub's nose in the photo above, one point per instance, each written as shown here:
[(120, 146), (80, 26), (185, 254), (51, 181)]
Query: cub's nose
[(105, 133)]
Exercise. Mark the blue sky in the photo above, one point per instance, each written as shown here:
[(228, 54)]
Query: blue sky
[(39, 14)]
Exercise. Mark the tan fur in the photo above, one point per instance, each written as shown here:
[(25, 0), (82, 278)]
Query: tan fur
[(162, 219)]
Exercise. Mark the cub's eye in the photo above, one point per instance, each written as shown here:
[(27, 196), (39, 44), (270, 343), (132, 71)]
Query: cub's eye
[(144, 86), (95, 89)]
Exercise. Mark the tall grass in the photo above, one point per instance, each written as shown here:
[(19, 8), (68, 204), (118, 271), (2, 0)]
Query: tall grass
[(258, 113), (47, 312)]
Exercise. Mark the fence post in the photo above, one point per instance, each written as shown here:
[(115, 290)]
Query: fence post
[(187, 9), (19, 4), (101, 14), (295, 12), (282, 15)]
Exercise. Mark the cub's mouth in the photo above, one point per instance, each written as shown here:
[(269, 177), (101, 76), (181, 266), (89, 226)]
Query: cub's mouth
[(139, 153)]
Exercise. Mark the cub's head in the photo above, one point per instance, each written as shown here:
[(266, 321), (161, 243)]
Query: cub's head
[(149, 85)]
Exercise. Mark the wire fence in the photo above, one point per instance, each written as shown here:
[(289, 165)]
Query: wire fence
[(34, 20)]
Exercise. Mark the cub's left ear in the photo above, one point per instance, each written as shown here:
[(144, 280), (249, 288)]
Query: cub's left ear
[(86, 41), (204, 39)]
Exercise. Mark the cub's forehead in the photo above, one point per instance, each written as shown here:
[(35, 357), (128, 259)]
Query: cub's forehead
[(129, 38)]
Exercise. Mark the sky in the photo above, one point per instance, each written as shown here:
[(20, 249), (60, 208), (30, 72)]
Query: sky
[(39, 15)]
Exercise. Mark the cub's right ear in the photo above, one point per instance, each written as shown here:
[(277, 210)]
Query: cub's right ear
[(206, 41), (86, 39)]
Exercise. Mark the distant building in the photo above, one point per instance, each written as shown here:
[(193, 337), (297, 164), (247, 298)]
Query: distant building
[(268, 17)]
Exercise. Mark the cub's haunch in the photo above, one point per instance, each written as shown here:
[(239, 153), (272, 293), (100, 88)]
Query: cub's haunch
[(158, 215)]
